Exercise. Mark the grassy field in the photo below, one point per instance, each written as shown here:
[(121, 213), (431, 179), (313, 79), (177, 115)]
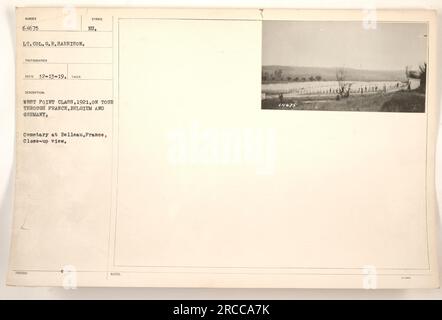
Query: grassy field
[(400, 101)]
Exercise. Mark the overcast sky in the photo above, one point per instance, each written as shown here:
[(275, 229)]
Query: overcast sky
[(391, 46)]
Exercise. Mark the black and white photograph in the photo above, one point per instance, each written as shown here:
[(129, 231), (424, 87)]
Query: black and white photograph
[(138, 162), (344, 66)]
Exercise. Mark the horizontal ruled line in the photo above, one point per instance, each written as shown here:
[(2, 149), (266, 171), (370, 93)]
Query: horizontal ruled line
[(72, 31), (67, 62), (67, 47), (68, 79)]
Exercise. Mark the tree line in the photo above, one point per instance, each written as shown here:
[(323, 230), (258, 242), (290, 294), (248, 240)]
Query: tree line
[(278, 75)]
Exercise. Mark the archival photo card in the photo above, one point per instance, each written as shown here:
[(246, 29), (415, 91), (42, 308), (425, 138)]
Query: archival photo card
[(344, 66), (144, 159)]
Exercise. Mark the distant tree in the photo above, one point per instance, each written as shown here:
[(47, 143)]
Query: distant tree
[(340, 76), (278, 74), (289, 78), (318, 78), (343, 87), (266, 76), (303, 78), (297, 79), (311, 78)]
